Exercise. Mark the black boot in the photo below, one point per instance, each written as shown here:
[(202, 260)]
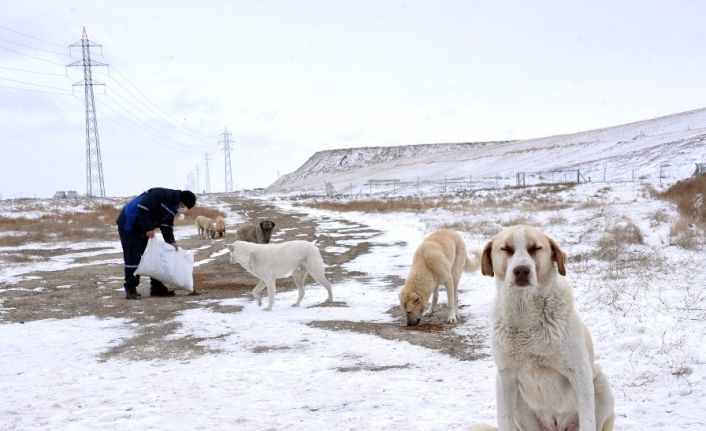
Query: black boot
[(161, 291), (131, 293)]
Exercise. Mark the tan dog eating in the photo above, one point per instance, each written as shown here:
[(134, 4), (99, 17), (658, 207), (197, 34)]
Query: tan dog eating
[(439, 260)]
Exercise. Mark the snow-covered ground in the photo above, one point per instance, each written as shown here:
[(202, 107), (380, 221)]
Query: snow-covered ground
[(271, 370)]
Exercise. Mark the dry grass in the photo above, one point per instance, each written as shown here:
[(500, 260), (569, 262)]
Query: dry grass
[(375, 205), (620, 234), (684, 234), (483, 228), (690, 197), (96, 224), (556, 220), (590, 204), (658, 217), (522, 220)]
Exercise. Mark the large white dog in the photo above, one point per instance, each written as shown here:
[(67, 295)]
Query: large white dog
[(268, 262), (547, 378)]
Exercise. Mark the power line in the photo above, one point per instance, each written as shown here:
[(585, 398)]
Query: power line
[(31, 37), (30, 56), (112, 107), (35, 91), (42, 14), (160, 134), (151, 113), (157, 106), (31, 83), (32, 71), (34, 47)]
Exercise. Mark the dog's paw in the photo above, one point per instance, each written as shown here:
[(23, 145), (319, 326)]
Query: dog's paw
[(296, 304), (428, 313), (452, 319)]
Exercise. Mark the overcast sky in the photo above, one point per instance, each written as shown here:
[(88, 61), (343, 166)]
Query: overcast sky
[(289, 78)]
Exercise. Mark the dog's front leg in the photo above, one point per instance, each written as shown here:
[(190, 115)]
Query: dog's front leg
[(434, 299), (506, 389), (256, 292), (270, 294), (581, 379)]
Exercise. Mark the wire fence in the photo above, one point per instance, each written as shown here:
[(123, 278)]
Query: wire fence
[(386, 187)]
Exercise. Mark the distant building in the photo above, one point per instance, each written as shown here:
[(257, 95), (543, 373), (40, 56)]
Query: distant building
[(60, 195), (71, 194)]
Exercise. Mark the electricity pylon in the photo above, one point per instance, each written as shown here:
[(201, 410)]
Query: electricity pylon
[(94, 164)]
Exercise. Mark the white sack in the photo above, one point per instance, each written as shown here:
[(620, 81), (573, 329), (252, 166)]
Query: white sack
[(161, 261)]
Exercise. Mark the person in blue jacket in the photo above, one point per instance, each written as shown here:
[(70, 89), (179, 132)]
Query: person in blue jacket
[(138, 221)]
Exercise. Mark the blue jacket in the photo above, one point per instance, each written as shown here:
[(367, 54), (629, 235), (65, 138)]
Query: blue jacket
[(155, 208)]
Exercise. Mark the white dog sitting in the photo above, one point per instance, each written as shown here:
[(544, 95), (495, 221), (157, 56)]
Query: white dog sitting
[(547, 376), (268, 262)]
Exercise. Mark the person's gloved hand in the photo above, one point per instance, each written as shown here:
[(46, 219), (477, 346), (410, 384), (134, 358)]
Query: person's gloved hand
[(176, 247), (150, 233)]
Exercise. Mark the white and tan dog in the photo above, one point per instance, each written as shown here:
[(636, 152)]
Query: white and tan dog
[(220, 226), (268, 262), (205, 226), (439, 260), (547, 379)]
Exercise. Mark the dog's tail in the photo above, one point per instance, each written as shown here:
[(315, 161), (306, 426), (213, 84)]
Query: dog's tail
[(473, 261), (482, 427)]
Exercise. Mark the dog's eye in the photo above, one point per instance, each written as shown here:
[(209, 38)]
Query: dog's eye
[(507, 249), (533, 248)]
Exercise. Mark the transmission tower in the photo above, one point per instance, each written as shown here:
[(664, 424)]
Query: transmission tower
[(226, 149), (94, 164), (207, 180)]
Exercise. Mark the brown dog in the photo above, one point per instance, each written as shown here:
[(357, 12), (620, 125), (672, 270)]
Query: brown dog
[(257, 233), (439, 259)]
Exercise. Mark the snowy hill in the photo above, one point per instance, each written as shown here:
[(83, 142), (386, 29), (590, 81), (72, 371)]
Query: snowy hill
[(324, 163), (660, 149)]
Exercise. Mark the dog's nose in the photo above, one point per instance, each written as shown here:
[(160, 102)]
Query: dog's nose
[(522, 274)]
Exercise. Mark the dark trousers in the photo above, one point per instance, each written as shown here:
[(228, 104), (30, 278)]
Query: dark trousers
[(134, 244)]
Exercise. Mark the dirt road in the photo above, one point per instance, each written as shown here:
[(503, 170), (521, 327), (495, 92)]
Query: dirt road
[(96, 290)]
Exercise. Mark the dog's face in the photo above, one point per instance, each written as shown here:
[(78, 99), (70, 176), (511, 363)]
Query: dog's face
[(522, 256), (412, 306), (267, 226)]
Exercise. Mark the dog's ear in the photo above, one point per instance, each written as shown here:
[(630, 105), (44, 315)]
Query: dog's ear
[(273, 224), (262, 225), (558, 256), (414, 297), (231, 247), (486, 263)]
